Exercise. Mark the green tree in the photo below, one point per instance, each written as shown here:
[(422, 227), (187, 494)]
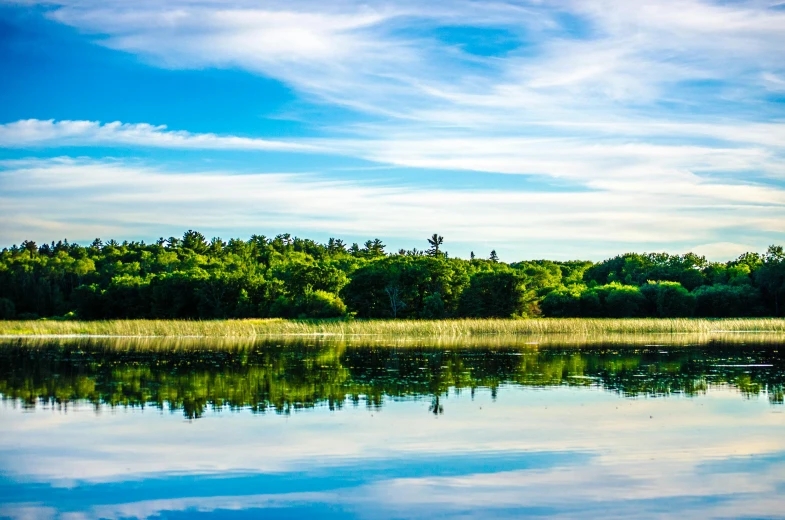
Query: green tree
[(494, 295), (195, 241), (436, 242), (433, 307), (771, 276), (669, 299)]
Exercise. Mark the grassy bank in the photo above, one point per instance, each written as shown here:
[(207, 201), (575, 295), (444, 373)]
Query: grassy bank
[(186, 344), (413, 328)]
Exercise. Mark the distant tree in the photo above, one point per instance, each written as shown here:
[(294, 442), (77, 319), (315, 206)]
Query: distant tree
[(195, 241), (435, 241), (298, 277), (336, 245), (30, 246), (471, 255), (373, 249), (494, 257), (217, 245)]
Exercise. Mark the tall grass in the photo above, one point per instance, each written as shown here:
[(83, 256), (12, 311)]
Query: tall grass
[(339, 343), (411, 328)]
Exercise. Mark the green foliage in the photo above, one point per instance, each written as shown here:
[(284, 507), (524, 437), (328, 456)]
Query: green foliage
[(312, 304), (715, 301), (624, 301), (433, 307), (771, 277), (669, 299), (612, 300), (637, 269), (499, 294), (285, 276)]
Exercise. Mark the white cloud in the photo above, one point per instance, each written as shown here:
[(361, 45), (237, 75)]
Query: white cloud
[(85, 198), (656, 112), (722, 250), (35, 132), (382, 56)]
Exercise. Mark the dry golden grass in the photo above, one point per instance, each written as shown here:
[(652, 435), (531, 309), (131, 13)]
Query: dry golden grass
[(250, 328)]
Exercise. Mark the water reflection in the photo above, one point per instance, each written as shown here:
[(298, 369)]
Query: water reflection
[(269, 375), (150, 429)]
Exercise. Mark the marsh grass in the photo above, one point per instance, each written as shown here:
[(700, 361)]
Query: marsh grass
[(252, 328), (338, 343)]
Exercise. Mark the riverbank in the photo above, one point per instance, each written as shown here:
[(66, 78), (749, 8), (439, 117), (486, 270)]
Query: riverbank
[(412, 328)]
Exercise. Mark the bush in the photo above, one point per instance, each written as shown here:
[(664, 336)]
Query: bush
[(313, 304), (321, 304)]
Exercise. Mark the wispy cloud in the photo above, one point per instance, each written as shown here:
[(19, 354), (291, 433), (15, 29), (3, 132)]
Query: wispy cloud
[(578, 54), (65, 194), (658, 115), (35, 132)]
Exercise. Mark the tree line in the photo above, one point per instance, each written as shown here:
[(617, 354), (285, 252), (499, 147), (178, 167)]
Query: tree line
[(291, 277)]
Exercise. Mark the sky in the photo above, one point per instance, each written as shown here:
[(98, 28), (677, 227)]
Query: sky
[(564, 129)]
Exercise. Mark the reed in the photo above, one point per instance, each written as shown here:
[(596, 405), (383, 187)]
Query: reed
[(340, 343), (411, 328)]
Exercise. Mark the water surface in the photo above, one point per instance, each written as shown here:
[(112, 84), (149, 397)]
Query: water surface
[(304, 428)]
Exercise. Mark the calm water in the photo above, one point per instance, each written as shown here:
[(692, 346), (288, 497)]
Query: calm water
[(146, 429)]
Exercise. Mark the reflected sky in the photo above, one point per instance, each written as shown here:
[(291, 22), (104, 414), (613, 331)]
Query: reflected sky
[(496, 446)]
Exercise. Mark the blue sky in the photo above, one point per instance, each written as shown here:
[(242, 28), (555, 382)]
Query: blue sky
[(565, 129)]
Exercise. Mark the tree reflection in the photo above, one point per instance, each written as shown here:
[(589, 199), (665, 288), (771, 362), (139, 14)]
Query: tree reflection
[(267, 377), (436, 407)]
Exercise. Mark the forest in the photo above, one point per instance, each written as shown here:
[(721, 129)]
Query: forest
[(291, 277)]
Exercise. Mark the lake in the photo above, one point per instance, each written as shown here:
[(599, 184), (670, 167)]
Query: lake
[(371, 428)]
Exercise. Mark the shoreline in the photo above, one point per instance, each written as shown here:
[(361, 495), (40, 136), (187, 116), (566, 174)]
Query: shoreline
[(463, 328)]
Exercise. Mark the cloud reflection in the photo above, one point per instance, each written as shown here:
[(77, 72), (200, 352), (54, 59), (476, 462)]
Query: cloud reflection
[(558, 451)]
